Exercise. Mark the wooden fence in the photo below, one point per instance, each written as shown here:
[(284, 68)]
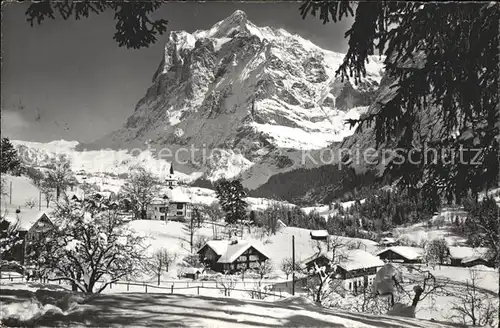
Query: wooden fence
[(148, 287)]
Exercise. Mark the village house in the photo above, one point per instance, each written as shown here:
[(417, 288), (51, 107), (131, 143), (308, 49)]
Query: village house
[(468, 256), (232, 256), (179, 205), (388, 242), (172, 205), (76, 195), (355, 267), (192, 273), (157, 209), (319, 235), (402, 254), (31, 225)]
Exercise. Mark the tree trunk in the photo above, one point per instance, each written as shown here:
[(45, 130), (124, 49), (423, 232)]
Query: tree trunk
[(191, 233), (74, 287), (318, 294)]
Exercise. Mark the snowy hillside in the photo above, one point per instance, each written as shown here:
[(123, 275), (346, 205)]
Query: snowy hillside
[(93, 162), (23, 190), (138, 310), (278, 246)]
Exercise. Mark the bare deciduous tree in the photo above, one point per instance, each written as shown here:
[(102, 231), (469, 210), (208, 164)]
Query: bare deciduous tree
[(140, 188), (199, 242), (90, 252), (436, 251), (264, 268), (287, 266), (226, 283), (47, 192), (31, 203), (190, 227), (322, 284), (214, 214), (160, 262), (60, 177), (472, 305)]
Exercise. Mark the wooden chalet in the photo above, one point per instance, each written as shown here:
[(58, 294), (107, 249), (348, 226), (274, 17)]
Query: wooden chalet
[(319, 235), (231, 256), (31, 226), (388, 242), (402, 254), (193, 273), (354, 267), (469, 256)]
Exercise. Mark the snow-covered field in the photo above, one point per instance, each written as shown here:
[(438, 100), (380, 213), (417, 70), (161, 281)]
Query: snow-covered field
[(173, 236), (160, 310), (22, 190), (420, 232)]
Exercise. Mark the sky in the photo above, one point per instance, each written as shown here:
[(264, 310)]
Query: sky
[(70, 80)]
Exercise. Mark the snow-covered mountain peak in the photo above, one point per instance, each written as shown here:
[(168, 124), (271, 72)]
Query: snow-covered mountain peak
[(237, 86), (229, 27)]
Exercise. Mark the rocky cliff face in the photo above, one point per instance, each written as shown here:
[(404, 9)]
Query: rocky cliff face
[(257, 94)]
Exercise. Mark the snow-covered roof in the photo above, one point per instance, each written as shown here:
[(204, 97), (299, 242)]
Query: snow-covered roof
[(411, 253), (218, 246), (176, 195), (25, 219), (230, 251), (473, 258), (388, 240), (193, 270), (159, 201), (235, 250), (463, 253), (360, 259), (319, 233), (77, 192), (350, 259)]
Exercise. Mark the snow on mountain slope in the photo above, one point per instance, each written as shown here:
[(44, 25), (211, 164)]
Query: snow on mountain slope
[(93, 161), (245, 90)]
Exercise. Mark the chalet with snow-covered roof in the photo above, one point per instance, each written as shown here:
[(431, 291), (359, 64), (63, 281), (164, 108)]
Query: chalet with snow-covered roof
[(402, 254), (355, 267), (75, 195), (232, 256), (192, 273), (319, 235), (469, 256), (388, 242), (31, 226)]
